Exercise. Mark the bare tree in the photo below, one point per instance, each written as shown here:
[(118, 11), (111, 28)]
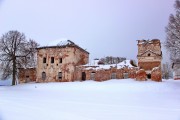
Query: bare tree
[(15, 52), (172, 42), (166, 70)]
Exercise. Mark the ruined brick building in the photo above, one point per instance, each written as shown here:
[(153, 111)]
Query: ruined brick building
[(149, 57), (66, 61), (57, 63)]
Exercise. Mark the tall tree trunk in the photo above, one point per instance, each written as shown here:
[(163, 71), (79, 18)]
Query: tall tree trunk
[(14, 71)]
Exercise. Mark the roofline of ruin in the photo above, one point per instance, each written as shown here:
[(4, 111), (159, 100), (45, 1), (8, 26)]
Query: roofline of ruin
[(63, 46)]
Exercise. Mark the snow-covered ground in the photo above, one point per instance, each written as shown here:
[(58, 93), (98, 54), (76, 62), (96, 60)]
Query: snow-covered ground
[(90, 100), (5, 83)]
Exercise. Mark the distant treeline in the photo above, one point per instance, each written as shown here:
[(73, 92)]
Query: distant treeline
[(111, 60)]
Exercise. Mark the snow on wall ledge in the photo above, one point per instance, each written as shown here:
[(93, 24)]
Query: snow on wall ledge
[(94, 65)]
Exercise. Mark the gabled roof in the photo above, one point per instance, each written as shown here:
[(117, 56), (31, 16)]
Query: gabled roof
[(150, 52)]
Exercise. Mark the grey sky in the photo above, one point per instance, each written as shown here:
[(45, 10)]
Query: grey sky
[(103, 27)]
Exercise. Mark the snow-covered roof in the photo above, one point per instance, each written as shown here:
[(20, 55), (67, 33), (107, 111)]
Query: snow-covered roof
[(94, 65), (125, 63), (61, 43)]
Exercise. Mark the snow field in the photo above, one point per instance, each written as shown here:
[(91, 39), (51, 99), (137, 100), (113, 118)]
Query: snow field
[(90, 100)]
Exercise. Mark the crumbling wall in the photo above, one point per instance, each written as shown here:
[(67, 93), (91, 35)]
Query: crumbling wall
[(153, 45), (27, 75), (132, 73), (105, 74), (141, 75), (148, 65), (156, 74), (102, 75)]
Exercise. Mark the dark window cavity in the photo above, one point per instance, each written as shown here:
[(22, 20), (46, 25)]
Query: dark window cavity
[(60, 60), (60, 75), (52, 59), (44, 60)]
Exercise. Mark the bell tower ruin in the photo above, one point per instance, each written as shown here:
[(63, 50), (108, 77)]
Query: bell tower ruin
[(149, 55)]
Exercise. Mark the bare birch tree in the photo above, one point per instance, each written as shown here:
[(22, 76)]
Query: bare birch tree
[(172, 42), (15, 52)]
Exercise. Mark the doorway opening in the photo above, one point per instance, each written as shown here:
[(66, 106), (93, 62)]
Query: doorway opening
[(92, 77), (149, 76), (27, 79), (83, 76)]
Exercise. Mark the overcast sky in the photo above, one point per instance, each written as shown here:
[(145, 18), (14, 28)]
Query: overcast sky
[(103, 27)]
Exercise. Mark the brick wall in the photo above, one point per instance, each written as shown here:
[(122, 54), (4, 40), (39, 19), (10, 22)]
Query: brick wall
[(105, 74), (156, 74), (27, 75), (71, 57)]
